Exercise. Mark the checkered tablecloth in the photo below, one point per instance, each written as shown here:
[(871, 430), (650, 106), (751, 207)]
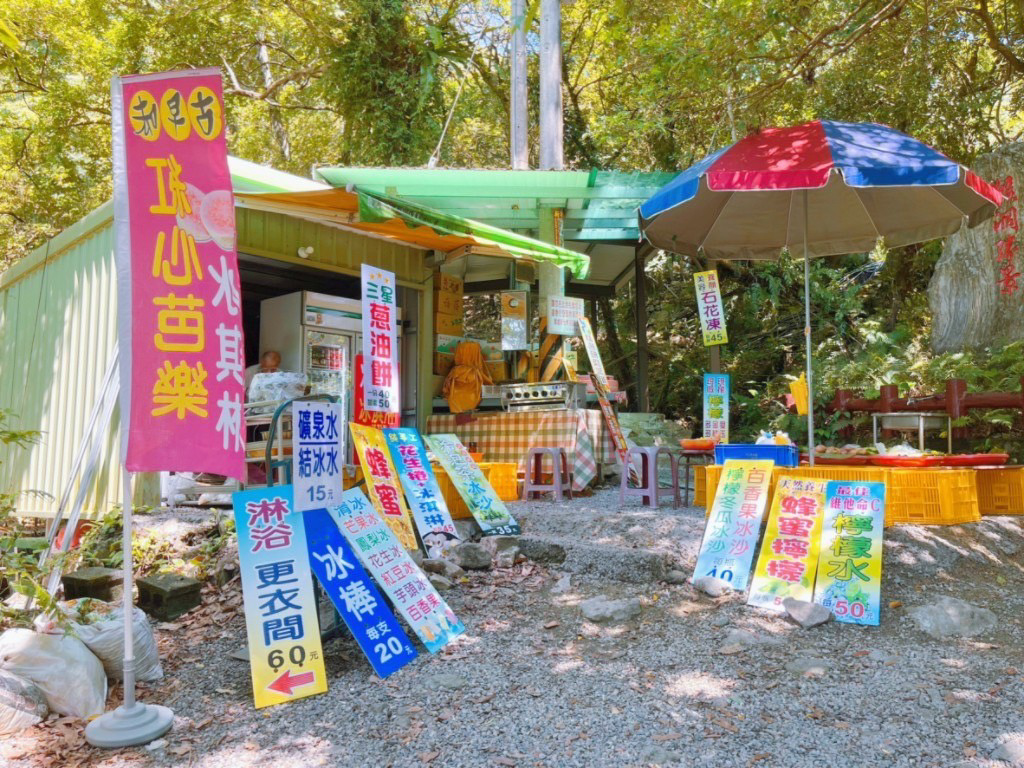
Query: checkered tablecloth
[(507, 437)]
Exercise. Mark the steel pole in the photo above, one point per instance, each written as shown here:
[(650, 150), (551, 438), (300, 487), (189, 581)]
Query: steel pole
[(807, 338)]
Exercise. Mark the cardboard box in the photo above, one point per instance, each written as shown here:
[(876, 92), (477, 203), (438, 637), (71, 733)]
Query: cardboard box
[(443, 363), (447, 325), (498, 371), (436, 385), (448, 303), (450, 284)]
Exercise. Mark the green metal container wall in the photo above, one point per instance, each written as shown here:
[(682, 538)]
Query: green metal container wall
[(58, 326)]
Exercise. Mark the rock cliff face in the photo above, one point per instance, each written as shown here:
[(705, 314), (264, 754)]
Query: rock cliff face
[(977, 291)]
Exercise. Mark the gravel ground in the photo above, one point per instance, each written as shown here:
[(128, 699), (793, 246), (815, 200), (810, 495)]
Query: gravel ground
[(534, 684)]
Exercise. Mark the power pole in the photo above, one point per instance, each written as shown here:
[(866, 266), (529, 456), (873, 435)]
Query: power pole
[(551, 122), (518, 122)]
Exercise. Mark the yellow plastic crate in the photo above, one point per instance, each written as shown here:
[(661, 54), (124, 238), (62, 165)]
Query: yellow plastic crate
[(920, 496), (700, 494), (931, 497), (504, 479), (456, 506), (1000, 491)]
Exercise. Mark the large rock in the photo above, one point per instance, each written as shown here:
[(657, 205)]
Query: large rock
[(951, 617), (445, 568), (1010, 751), (604, 609), (541, 550), (969, 308), (713, 587), (471, 556), (806, 614), (807, 667)]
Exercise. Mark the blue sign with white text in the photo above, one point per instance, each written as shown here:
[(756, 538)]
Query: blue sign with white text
[(355, 596)]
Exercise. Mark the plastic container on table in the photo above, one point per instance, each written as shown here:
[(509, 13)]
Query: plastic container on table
[(907, 462), (782, 455), (1000, 490), (975, 459), (836, 461)]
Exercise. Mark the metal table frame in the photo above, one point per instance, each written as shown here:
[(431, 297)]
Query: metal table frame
[(921, 417)]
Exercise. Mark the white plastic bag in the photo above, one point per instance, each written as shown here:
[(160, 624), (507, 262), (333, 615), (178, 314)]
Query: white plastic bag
[(100, 626), (22, 704), (69, 674)]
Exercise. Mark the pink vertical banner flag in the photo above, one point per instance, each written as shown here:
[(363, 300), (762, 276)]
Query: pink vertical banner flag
[(380, 341), (179, 304)]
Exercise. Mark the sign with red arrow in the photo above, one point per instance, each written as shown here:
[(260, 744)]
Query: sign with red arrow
[(287, 683)]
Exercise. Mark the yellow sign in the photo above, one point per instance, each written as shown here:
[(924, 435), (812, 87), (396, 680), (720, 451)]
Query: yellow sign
[(710, 308), (789, 553), (850, 560), (285, 656), (382, 483)]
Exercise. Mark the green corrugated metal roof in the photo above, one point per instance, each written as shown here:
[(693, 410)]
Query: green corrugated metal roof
[(600, 206), (377, 207)]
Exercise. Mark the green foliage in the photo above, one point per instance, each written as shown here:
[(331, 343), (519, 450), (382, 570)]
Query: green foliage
[(102, 545), (19, 562)]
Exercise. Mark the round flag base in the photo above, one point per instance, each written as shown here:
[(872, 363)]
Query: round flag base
[(129, 726)]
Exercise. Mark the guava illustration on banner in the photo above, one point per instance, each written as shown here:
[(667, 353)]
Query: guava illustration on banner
[(850, 560), (401, 579), (355, 596), (429, 510), (789, 552), (382, 482), (285, 657), (487, 509), (734, 524)]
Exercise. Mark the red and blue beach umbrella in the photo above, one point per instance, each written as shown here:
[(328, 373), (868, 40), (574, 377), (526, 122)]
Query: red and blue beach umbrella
[(862, 181), (822, 188)]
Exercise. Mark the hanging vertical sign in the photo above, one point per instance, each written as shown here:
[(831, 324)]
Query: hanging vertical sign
[(600, 379), (716, 406), (354, 595), (380, 552), (380, 342), (382, 482), (179, 308), (514, 330), (361, 414), (487, 509), (429, 511), (710, 309), (564, 313), (285, 657), (850, 558), (318, 453), (788, 559), (734, 524)]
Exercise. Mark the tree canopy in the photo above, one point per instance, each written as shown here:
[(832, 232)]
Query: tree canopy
[(652, 85)]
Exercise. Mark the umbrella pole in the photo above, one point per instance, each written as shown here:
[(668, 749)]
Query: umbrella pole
[(807, 339)]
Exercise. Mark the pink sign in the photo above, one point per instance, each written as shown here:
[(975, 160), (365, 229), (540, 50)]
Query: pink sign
[(179, 308)]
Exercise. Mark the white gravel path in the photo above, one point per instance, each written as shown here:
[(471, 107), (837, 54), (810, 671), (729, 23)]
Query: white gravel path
[(533, 684)]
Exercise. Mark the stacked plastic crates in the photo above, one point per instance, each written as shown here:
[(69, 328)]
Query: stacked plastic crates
[(1000, 490), (919, 496)]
